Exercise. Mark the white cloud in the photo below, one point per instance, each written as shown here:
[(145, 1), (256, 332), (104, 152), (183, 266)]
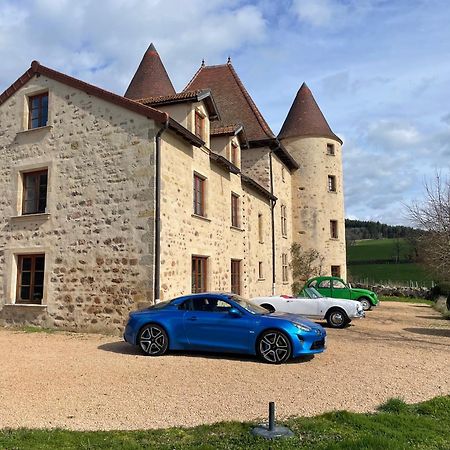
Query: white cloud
[(390, 134), (103, 45), (335, 13), (315, 12)]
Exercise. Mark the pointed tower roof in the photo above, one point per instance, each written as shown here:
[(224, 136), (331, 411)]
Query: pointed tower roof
[(234, 102), (305, 118), (150, 79)]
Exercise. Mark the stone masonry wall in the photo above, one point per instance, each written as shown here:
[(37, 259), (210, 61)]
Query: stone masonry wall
[(97, 235), (183, 234), (312, 205)]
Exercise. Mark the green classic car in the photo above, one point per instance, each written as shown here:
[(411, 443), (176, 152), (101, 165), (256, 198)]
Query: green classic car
[(337, 288)]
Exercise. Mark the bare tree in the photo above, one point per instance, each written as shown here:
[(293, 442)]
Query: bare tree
[(433, 216), (304, 264)]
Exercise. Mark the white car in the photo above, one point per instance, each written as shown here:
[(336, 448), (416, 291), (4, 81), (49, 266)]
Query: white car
[(310, 303)]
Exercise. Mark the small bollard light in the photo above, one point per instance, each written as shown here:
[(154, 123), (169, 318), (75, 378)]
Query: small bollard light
[(271, 431)]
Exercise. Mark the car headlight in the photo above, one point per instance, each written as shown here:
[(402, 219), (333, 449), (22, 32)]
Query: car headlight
[(302, 327)]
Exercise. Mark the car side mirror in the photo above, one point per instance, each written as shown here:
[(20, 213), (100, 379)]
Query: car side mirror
[(234, 312)]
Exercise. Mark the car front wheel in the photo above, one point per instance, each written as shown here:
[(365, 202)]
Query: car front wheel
[(274, 347), (337, 318), (153, 340), (365, 302)]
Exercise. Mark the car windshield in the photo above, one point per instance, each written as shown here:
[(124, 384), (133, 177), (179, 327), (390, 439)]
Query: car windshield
[(309, 293), (248, 305)]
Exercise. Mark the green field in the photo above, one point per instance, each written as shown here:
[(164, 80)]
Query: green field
[(370, 249), (387, 249), (396, 426)]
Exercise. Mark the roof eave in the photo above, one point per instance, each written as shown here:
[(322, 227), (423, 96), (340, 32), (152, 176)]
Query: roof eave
[(251, 182), (186, 134), (147, 111), (224, 163)]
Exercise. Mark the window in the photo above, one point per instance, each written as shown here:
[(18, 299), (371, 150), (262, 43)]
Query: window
[(283, 177), (334, 229), (34, 198), (260, 228), (199, 125), (336, 272), (260, 270), (199, 274), (331, 183), (283, 220), (234, 210), (30, 279), (38, 111), (208, 304), (235, 276), (234, 153), (325, 284), (330, 149), (199, 195), (284, 267)]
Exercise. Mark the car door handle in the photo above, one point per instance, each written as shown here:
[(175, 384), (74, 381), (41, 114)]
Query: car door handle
[(192, 318)]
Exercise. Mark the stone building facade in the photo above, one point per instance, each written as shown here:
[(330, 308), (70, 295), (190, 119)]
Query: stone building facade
[(110, 203)]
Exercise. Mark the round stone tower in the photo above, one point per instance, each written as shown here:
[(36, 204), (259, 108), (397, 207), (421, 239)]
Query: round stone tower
[(317, 186)]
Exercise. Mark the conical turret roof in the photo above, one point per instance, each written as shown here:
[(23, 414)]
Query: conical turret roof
[(151, 78), (305, 118)]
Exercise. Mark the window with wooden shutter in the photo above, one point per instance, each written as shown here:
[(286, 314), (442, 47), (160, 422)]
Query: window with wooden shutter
[(199, 274), (236, 276), (30, 278)]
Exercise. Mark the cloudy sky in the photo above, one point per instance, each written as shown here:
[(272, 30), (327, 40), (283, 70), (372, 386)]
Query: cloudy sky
[(379, 69)]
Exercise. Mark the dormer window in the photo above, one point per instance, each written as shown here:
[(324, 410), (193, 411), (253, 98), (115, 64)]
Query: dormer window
[(38, 111), (200, 125)]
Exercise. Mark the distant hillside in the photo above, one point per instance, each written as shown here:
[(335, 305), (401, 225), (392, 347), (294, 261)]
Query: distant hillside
[(361, 229), (385, 261)]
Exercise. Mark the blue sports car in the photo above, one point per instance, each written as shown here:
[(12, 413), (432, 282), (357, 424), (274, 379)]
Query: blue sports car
[(223, 323)]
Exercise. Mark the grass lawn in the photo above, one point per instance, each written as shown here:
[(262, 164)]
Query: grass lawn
[(389, 272), (369, 249), (396, 426)]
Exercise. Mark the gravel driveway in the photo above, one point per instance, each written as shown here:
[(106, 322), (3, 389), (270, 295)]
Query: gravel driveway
[(90, 382)]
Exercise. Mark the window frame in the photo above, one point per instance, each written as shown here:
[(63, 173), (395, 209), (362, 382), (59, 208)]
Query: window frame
[(334, 232), (283, 212), (40, 109), (261, 228), (235, 222), (235, 276), (336, 271), (37, 173), (260, 270), (198, 190), (32, 285), (234, 156), (284, 268), (199, 124), (201, 274), (332, 183)]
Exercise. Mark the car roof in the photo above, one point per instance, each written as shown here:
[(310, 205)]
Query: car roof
[(224, 295)]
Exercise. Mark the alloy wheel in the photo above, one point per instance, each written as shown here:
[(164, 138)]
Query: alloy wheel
[(153, 340), (274, 347)]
